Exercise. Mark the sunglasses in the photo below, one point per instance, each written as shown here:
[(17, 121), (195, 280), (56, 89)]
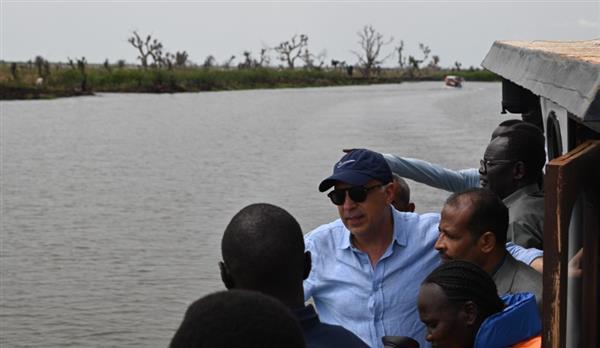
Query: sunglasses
[(484, 164), (357, 194)]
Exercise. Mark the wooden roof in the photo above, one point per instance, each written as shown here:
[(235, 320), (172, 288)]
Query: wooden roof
[(566, 72)]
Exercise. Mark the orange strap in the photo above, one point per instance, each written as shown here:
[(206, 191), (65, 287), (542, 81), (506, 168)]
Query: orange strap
[(534, 342)]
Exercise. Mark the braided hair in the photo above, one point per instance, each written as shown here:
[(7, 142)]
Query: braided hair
[(463, 281)]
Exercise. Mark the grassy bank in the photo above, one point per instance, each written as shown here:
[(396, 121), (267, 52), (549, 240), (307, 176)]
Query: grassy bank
[(62, 80)]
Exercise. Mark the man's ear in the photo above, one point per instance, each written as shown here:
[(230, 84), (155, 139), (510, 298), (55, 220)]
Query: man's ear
[(410, 207), (390, 190), (487, 242), (226, 276), (470, 313), (307, 265), (519, 170)]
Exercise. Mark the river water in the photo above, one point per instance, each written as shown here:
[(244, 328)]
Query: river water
[(113, 206)]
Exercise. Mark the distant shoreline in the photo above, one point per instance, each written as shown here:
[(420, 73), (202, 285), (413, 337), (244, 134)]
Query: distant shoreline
[(65, 82)]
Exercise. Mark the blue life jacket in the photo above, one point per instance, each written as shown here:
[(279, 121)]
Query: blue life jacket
[(519, 321)]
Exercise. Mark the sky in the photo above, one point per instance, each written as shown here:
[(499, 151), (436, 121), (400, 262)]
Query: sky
[(460, 31)]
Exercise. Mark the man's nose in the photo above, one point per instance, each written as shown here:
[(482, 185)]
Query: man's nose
[(348, 202), (439, 243)]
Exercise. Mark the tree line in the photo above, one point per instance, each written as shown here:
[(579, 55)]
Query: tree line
[(370, 55)]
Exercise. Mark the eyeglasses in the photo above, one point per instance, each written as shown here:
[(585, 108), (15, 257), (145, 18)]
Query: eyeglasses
[(357, 194), (483, 164)]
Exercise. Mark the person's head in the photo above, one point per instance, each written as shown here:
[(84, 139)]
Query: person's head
[(473, 227), (263, 250), (238, 319), (504, 126), (453, 302), (363, 191), (513, 159), (402, 195)]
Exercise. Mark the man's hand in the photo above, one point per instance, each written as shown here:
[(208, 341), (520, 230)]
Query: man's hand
[(538, 264), (575, 270), (574, 267)]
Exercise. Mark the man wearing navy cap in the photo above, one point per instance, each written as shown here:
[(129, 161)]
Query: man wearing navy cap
[(368, 265)]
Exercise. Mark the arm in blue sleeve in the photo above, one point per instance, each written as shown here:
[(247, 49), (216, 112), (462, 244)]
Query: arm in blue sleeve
[(522, 254), (432, 174)]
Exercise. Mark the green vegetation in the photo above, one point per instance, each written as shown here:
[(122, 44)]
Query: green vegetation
[(69, 80), (160, 71)]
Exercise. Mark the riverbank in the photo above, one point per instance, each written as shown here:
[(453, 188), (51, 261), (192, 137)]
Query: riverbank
[(64, 81)]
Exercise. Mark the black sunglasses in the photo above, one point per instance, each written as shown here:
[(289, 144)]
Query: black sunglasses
[(357, 194)]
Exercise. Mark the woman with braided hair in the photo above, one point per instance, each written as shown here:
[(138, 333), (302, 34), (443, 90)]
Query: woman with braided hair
[(459, 304)]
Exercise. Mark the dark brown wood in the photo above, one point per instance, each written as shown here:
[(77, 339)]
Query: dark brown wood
[(566, 178), (591, 280)]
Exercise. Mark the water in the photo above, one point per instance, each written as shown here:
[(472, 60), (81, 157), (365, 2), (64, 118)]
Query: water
[(113, 206)]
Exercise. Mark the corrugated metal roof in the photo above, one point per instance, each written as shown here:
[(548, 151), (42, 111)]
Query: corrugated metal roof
[(566, 72)]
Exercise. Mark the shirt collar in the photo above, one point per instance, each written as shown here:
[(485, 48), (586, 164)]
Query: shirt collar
[(525, 190)]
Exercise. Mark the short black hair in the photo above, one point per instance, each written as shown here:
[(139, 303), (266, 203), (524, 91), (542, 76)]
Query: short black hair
[(510, 122), (526, 143), (238, 319), (263, 248), (504, 125), (463, 281), (488, 212)]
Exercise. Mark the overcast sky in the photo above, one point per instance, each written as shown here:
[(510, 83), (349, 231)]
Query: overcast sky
[(454, 30)]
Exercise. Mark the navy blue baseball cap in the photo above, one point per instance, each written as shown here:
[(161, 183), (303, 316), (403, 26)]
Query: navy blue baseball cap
[(357, 168)]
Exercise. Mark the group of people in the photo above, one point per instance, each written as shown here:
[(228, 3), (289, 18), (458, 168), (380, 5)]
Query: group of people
[(382, 275)]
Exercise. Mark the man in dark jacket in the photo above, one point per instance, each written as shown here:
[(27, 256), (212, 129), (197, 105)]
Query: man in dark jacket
[(263, 250)]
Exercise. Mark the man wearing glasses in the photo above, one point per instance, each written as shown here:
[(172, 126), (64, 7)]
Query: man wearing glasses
[(368, 265), (511, 167)]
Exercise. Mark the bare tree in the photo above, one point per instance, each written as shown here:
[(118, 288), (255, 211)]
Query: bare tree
[(425, 50), (14, 71), (414, 62), (291, 50), (147, 48), (248, 61), (39, 64), (181, 58), (209, 62), (435, 60), (401, 59), (370, 42), (106, 65), (264, 59), (228, 62)]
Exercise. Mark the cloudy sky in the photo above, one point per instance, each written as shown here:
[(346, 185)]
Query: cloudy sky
[(454, 30)]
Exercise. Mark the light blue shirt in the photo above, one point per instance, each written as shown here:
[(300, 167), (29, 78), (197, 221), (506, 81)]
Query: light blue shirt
[(432, 174), (373, 302), (381, 301)]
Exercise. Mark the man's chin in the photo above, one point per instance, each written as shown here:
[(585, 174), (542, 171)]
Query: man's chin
[(445, 258)]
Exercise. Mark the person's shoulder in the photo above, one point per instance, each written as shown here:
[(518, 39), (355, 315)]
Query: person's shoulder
[(425, 218), (526, 272), (327, 335), (326, 236), (335, 226), (418, 228), (426, 221)]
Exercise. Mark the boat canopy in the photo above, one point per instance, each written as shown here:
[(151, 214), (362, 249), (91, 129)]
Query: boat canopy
[(565, 72)]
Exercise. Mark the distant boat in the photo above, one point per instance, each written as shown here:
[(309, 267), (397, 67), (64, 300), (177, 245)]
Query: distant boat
[(453, 81)]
